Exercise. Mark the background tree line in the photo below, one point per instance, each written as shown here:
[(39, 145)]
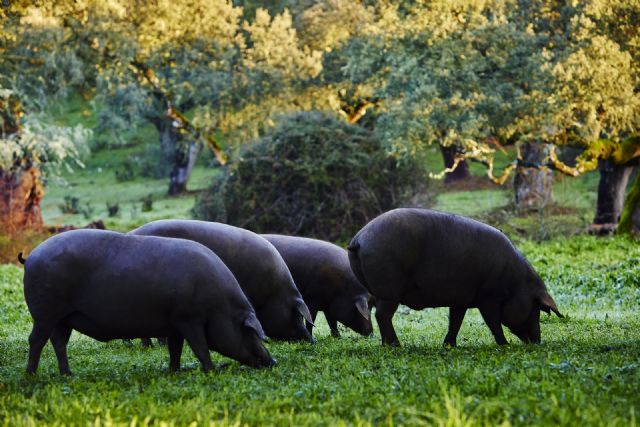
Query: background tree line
[(472, 77)]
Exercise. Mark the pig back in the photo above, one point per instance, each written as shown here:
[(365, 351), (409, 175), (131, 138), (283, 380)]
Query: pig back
[(320, 269), (96, 271), (256, 264), (430, 258)]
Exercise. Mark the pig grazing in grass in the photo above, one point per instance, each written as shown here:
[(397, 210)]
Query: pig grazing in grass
[(109, 285), (259, 268), (423, 258), (322, 273)]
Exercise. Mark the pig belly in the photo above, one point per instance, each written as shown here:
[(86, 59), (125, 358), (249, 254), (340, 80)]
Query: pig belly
[(103, 329), (441, 295)]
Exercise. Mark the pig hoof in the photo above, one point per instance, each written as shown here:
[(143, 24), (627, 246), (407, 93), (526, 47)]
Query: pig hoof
[(66, 373), (449, 345)]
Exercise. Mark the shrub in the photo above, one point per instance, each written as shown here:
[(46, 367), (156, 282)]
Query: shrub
[(312, 175), (151, 163)]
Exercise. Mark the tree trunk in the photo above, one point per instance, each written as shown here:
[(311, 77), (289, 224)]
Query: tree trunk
[(20, 195), (611, 191), (168, 138), (179, 157), (182, 167), (630, 219), (533, 184), (461, 172)]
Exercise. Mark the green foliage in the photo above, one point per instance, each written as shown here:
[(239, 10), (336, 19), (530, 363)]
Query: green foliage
[(150, 163), (469, 73), (43, 146), (312, 175), (585, 372), (34, 143)]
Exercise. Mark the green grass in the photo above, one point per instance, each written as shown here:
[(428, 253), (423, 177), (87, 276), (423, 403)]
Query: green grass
[(473, 203), (97, 186), (586, 371)]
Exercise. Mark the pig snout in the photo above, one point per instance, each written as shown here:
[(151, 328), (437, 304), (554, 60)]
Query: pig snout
[(367, 330), (302, 334), (361, 326), (264, 360), (269, 363)]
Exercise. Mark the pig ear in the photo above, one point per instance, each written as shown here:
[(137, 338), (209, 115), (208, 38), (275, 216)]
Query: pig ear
[(251, 321), (304, 310), (363, 307), (547, 304)]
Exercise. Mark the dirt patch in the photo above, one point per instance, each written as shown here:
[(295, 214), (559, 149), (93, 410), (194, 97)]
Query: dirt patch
[(11, 244), (473, 183)]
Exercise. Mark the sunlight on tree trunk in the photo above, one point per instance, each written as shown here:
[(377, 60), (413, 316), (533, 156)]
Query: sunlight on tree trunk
[(179, 158), (20, 195), (611, 192), (182, 167), (533, 184), (630, 220)]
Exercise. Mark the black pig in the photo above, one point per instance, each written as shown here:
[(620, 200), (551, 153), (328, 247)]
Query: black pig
[(322, 273), (423, 258), (259, 268), (108, 285)]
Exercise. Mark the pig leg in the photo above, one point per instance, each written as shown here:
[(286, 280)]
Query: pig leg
[(333, 325), (175, 342), (314, 313), (37, 339), (491, 314), (385, 310), (146, 342), (194, 334), (456, 315), (59, 340)]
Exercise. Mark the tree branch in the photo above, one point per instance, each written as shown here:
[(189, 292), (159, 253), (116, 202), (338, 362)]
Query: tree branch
[(142, 71), (602, 149), (184, 123), (456, 161), (359, 112)]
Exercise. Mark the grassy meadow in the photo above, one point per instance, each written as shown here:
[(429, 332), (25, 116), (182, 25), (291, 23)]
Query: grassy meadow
[(586, 371)]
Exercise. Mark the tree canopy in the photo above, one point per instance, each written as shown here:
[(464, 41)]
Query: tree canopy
[(476, 76)]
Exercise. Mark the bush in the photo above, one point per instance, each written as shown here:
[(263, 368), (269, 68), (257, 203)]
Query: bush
[(313, 175), (152, 163)]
